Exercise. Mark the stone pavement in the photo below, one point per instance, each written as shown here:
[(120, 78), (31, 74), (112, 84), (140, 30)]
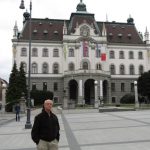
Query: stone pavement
[(86, 130)]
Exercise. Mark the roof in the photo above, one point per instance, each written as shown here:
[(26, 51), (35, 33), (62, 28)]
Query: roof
[(52, 29)]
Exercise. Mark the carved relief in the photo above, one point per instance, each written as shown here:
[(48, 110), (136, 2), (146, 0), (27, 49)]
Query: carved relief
[(85, 31)]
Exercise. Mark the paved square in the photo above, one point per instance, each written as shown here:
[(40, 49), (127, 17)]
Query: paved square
[(86, 130)]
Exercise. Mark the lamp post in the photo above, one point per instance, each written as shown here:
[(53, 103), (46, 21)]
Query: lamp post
[(96, 96), (136, 95), (28, 124)]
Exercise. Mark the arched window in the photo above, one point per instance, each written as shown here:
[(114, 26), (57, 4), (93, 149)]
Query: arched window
[(112, 69), (122, 69), (34, 68), (98, 66), (45, 68), (131, 70), (45, 52), (71, 52), (111, 54), (24, 67), (23, 52), (131, 56), (55, 68), (141, 69), (34, 52), (121, 54), (71, 67), (85, 65)]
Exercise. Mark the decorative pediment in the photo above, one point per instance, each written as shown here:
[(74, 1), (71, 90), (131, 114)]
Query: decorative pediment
[(85, 31)]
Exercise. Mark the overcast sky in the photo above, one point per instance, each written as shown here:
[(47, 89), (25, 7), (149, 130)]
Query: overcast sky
[(116, 10)]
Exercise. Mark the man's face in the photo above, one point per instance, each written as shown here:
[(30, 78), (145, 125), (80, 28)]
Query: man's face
[(48, 105)]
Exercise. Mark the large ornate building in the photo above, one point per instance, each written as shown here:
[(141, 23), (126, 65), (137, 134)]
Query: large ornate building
[(68, 56)]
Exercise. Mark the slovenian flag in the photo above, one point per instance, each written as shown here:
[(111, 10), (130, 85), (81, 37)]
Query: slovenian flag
[(103, 54), (65, 50)]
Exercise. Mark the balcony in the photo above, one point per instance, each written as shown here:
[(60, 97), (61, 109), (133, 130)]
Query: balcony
[(92, 71)]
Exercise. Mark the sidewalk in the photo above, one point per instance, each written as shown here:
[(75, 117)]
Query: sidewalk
[(86, 130)]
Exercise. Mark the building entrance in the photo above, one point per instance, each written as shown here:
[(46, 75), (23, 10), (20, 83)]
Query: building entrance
[(89, 95), (73, 90)]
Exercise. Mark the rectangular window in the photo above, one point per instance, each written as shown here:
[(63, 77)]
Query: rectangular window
[(33, 86), (140, 55), (55, 53), (24, 52), (122, 87), (113, 99), (55, 86), (34, 52), (71, 52), (44, 86), (45, 52), (113, 87), (121, 55)]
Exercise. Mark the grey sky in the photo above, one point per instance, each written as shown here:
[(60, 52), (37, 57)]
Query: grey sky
[(116, 10)]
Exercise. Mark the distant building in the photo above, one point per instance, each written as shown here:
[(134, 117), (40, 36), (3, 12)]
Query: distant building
[(69, 55), (2, 82)]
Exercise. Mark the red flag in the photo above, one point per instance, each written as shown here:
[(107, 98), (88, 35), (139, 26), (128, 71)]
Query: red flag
[(103, 56)]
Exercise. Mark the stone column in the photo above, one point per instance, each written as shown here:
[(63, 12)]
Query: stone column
[(4, 86), (96, 96), (136, 95), (101, 93), (80, 91)]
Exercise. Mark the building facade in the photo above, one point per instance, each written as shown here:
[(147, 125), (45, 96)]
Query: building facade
[(68, 56)]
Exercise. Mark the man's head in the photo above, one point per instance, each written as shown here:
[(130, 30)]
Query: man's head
[(48, 105)]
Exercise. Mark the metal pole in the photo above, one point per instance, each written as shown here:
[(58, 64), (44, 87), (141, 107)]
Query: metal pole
[(96, 96), (28, 124)]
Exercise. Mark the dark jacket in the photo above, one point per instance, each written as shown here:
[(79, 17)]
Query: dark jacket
[(45, 127), (17, 109)]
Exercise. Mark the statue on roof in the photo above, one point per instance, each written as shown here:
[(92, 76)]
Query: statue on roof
[(81, 6)]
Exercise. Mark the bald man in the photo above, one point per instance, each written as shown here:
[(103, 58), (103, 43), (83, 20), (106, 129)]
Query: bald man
[(45, 131)]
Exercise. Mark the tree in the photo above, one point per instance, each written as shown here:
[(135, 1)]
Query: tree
[(144, 84), (22, 80), (12, 93), (17, 84)]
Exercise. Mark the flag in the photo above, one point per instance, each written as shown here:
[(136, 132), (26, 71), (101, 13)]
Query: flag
[(85, 48), (65, 51), (103, 54), (103, 57), (98, 50)]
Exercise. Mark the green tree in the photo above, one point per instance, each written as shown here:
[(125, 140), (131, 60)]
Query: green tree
[(22, 81), (144, 84), (12, 93)]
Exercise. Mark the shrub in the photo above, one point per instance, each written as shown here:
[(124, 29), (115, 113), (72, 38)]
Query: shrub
[(40, 96), (128, 99)]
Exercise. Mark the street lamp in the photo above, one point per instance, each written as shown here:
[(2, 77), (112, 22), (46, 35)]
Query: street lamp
[(28, 124), (96, 96), (136, 95)]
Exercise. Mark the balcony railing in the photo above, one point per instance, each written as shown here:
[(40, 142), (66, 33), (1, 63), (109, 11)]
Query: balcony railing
[(92, 71)]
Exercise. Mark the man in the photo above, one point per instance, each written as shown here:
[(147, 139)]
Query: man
[(17, 110), (45, 131)]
